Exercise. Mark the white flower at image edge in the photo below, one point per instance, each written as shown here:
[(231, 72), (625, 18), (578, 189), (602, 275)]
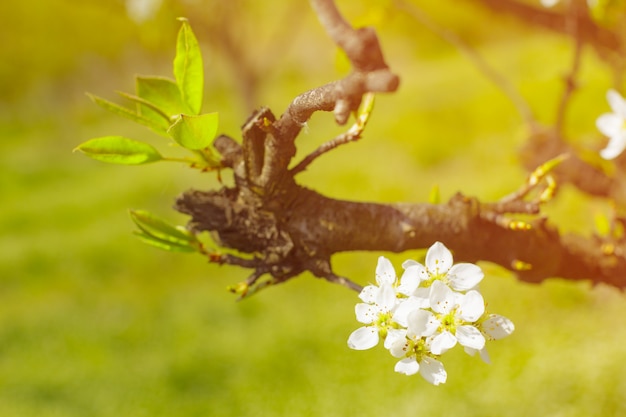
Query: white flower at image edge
[(613, 125), (550, 3), (377, 310)]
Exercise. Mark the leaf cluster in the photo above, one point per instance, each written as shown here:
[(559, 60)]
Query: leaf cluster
[(170, 107)]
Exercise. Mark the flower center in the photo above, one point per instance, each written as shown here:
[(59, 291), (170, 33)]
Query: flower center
[(417, 348), (384, 322), (448, 321)]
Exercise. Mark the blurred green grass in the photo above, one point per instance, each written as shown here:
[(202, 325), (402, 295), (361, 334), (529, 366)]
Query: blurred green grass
[(93, 323)]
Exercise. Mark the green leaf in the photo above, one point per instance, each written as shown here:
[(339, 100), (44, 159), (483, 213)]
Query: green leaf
[(163, 93), (434, 197), (119, 150), (159, 229), (194, 132), (162, 244), (129, 114), (162, 118), (188, 68)]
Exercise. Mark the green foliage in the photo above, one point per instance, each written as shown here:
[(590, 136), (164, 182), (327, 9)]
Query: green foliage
[(119, 150), (161, 105), (164, 97), (194, 132), (157, 232), (188, 68), (129, 114)]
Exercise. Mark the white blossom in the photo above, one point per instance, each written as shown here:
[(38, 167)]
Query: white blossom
[(550, 3), (414, 350), (439, 266), (497, 326), (613, 125), (377, 310), (456, 312), (494, 327)]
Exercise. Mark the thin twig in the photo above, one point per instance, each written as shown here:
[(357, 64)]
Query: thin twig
[(353, 134), (330, 17), (343, 281), (225, 258), (501, 82), (538, 176), (576, 11)]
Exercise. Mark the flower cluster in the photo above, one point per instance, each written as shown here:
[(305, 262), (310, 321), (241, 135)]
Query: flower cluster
[(426, 312)]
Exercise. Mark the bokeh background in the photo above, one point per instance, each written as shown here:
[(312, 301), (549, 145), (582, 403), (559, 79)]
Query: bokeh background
[(94, 323)]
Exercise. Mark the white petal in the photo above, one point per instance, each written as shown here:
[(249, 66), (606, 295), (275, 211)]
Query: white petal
[(363, 338), (407, 366), (393, 336), (441, 298), (470, 336), (549, 3), (470, 351), (617, 103), (616, 145), (432, 371), (422, 323), (465, 276), (609, 124), (386, 299), (438, 259), (497, 326), (409, 262), (368, 294), (385, 274), (399, 348), (404, 308), (423, 294), (484, 355), (411, 279), (365, 313), (417, 322), (471, 306), (442, 342)]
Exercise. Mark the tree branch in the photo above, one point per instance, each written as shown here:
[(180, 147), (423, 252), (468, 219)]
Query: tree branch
[(601, 38), (306, 228), (290, 229)]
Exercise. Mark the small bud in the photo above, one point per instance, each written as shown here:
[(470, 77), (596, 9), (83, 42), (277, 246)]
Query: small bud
[(518, 265), (542, 170), (608, 249), (240, 288), (518, 225)]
